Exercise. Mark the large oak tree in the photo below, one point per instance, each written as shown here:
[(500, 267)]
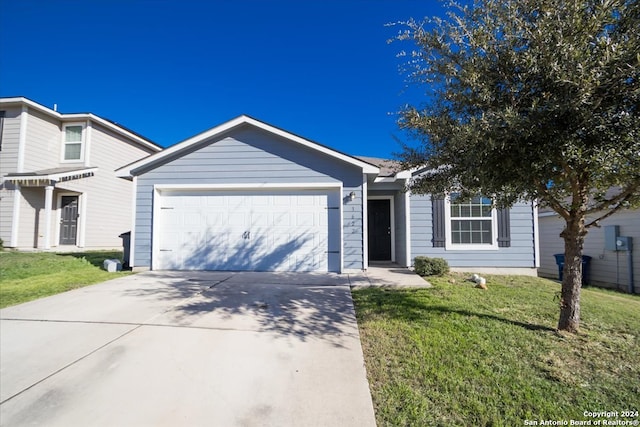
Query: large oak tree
[(530, 100)]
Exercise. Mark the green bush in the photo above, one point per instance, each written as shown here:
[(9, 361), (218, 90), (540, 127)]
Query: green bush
[(426, 266)]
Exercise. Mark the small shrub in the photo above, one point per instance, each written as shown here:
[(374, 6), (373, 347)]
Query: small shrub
[(1, 245), (426, 266)]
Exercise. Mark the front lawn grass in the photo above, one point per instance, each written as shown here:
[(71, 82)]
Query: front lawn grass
[(26, 276), (461, 356)]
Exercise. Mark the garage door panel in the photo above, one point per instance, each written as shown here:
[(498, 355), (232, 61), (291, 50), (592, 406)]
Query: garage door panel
[(250, 230)]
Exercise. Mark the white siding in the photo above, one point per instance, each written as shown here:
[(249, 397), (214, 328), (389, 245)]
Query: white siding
[(106, 198), (607, 267), (108, 210), (43, 142), (31, 229), (8, 164)]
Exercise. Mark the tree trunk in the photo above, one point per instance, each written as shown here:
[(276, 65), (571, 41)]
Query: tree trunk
[(573, 235)]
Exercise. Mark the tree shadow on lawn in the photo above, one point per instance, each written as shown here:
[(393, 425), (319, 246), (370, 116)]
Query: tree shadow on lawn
[(401, 304)]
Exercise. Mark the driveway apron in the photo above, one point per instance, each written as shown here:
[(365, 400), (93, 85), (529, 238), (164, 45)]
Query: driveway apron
[(187, 349)]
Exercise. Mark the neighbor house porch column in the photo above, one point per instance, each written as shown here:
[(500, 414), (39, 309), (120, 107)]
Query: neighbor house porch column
[(48, 204), (15, 219)]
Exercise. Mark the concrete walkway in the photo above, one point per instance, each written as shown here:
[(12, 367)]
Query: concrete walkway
[(188, 349), (387, 275)]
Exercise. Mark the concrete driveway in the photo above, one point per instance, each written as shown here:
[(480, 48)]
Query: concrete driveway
[(187, 349)]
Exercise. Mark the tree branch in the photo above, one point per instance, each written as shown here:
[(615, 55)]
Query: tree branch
[(551, 201), (618, 199), (607, 215)]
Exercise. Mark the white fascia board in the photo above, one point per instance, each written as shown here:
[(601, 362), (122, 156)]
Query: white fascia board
[(248, 186), (384, 179), (536, 234), (50, 177), (402, 175), (546, 214), (80, 117), (125, 171), (238, 121)]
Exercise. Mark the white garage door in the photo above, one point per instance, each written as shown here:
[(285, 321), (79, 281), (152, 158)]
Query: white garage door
[(248, 231)]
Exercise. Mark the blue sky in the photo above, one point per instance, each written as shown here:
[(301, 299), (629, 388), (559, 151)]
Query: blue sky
[(170, 69)]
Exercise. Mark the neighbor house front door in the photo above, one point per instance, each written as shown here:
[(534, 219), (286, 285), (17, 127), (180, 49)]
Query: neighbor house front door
[(68, 220), (379, 233)]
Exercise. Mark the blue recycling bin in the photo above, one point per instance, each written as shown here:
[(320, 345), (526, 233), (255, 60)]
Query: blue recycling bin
[(586, 265)]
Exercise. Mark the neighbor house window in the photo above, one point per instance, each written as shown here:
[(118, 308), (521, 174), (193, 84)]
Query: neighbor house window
[(73, 136), (470, 223)]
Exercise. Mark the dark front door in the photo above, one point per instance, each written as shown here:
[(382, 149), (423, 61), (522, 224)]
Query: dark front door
[(68, 220), (379, 218)]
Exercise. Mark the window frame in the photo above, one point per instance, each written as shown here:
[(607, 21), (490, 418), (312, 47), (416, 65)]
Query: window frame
[(83, 142), (449, 245)]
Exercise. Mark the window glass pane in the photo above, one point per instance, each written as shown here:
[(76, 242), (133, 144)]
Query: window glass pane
[(72, 151), (73, 134), (471, 232), (477, 229)]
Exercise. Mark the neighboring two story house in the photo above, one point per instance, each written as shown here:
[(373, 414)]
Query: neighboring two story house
[(59, 188)]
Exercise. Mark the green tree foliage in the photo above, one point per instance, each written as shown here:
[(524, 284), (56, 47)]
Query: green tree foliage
[(530, 100)]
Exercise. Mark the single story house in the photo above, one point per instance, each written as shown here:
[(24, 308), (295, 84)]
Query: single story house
[(609, 264), (246, 195)]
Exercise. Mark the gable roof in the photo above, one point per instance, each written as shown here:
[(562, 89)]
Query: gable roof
[(129, 170), (109, 124)]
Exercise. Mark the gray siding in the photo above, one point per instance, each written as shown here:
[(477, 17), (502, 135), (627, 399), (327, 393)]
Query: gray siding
[(521, 253), (251, 156), (399, 215), (8, 164), (609, 268)]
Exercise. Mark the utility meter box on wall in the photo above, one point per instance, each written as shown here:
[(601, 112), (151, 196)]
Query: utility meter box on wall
[(611, 233), (624, 243)]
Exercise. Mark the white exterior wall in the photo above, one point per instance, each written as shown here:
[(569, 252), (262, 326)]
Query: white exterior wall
[(8, 164), (608, 268), (105, 200), (43, 143), (108, 198)]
